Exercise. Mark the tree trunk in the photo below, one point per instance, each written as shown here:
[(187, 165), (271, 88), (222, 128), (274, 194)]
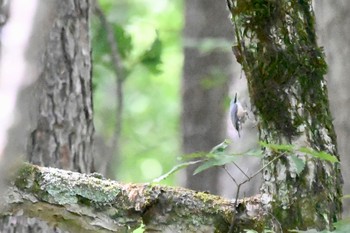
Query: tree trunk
[(63, 134), (205, 85), (276, 45), (62, 128), (333, 18)]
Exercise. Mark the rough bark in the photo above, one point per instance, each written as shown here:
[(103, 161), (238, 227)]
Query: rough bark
[(333, 18), (276, 45), (204, 85), (90, 203), (61, 131), (62, 135)]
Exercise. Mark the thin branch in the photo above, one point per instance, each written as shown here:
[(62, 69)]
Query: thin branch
[(260, 170), (120, 72), (229, 174), (240, 169), (116, 59), (175, 169), (245, 181)]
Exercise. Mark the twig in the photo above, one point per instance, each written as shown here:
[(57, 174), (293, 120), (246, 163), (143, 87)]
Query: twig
[(240, 169), (245, 181), (119, 70), (229, 174), (175, 169)]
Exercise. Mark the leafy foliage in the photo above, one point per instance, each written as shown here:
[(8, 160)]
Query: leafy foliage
[(321, 155), (124, 41), (291, 148), (151, 57), (299, 163), (219, 156), (148, 37)]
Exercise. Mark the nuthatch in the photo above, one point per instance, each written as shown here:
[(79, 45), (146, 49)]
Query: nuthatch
[(238, 114)]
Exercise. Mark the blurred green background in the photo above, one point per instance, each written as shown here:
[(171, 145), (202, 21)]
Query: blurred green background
[(149, 140)]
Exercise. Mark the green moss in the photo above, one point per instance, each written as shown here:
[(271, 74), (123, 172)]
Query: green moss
[(25, 171), (279, 55)]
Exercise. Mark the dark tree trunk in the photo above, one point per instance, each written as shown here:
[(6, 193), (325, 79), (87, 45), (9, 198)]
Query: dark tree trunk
[(276, 45), (62, 117), (204, 86)]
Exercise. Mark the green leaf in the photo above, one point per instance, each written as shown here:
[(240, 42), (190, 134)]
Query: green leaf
[(255, 153), (219, 149), (321, 155), (195, 155), (299, 163), (325, 156), (217, 161), (124, 40), (278, 147), (151, 59)]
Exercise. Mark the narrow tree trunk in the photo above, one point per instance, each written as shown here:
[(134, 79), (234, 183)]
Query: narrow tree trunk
[(276, 45), (62, 128), (205, 85)]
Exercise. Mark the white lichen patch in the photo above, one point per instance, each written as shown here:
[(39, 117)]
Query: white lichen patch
[(67, 187)]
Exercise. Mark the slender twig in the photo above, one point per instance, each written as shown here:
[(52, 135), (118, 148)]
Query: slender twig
[(229, 174), (119, 70), (260, 170), (240, 169), (116, 59), (245, 181), (176, 168)]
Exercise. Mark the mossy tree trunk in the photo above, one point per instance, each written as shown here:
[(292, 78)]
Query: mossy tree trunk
[(276, 46)]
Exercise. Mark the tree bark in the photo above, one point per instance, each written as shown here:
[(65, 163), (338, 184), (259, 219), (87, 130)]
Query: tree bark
[(204, 85), (276, 45), (89, 203), (333, 19), (61, 133)]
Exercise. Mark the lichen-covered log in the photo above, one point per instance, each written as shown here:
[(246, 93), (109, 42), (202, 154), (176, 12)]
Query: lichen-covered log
[(276, 46), (89, 203)]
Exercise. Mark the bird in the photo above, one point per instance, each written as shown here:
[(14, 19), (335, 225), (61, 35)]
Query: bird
[(237, 114)]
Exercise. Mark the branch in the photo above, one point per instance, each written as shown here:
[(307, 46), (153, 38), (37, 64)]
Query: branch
[(120, 73), (90, 203)]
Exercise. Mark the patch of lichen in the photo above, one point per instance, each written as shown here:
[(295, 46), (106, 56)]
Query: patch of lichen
[(276, 45)]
